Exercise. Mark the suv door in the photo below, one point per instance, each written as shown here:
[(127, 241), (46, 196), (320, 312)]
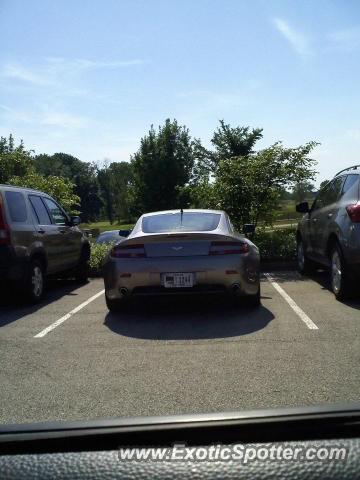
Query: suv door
[(47, 233), (70, 239), (323, 215)]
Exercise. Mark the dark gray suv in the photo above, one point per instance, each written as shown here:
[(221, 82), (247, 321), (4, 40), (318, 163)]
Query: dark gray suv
[(329, 233), (38, 238)]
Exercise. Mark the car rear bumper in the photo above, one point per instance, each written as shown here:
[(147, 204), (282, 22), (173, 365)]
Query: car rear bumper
[(350, 246), (12, 268), (224, 274)]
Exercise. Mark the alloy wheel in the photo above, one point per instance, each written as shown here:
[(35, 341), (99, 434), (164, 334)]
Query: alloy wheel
[(336, 274), (37, 281), (300, 256)]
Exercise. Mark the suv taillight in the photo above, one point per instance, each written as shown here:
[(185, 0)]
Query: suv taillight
[(354, 212), (128, 251), (4, 227), (228, 248)]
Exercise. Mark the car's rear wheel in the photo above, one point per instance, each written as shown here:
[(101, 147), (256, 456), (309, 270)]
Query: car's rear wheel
[(304, 264), (253, 300), (115, 305), (82, 270), (339, 275), (35, 281)]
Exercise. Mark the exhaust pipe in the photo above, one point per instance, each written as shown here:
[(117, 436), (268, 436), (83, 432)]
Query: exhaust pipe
[(124, 291)]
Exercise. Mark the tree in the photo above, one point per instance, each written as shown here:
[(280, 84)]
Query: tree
[(82, 174), (107, 194), (249, 187), (234, 142), (162, 167), (302, 191), (14, 160), (228, 142), (120, 180), (58, 187)]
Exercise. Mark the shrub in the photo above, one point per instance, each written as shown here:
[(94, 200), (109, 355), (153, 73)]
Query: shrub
[(279, 244), (98, 254)]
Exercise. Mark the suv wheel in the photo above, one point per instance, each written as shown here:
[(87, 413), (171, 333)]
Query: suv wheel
[(115, 305), (340, 283), (35, 282), (82, 270), (253, 300), (305, 266)]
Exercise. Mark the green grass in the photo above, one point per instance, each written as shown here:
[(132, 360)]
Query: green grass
[(104, 226)]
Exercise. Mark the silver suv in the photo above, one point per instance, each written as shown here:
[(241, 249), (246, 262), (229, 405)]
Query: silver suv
[(37, 238), (329, 233)]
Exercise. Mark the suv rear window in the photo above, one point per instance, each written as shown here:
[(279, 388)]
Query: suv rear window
[(187, 222), (17, 206)]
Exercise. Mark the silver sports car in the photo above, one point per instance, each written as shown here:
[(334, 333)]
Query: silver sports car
[(182, 251)]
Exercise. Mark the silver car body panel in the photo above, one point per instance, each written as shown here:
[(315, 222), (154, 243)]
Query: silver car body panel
[(187, 252)]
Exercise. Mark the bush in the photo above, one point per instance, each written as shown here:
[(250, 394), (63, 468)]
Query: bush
[(98, 254), (279, 244)]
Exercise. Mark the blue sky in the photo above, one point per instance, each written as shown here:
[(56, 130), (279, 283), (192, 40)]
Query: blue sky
[(90, 77)]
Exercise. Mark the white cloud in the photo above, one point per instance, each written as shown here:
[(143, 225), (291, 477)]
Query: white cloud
[(54, 70), (5, 107), (17, 71), (79, 64), (298, 41), (347, 39)]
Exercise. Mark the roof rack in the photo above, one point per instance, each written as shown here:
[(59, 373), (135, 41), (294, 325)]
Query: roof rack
[(354, 167)]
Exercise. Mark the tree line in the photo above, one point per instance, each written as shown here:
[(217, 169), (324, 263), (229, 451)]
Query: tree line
[(171, 169)]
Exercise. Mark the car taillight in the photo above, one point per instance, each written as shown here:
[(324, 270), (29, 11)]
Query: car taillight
[(128, 251), (228, 248), (4, 227), (354, 212)]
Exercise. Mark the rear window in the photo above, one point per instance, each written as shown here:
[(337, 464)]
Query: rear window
[(16, 206), (186, 222), (108, 237)]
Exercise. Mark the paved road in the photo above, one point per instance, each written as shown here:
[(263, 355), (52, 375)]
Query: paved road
[(177, 356)]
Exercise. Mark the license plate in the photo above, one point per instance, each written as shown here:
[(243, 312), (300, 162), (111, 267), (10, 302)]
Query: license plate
[(177, 280)]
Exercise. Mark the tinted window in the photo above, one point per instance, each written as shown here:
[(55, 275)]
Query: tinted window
[(17, 206), (334, 190), (187, 222), (108, 237), (40, 210), (55, 212), (329, 194), (349, 182)]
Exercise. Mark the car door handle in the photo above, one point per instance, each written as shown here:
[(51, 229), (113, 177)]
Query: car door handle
[(41, 230), (315, 220), (62, 230), (330, 215)]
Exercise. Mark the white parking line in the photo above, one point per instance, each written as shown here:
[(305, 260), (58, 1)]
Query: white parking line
[(308, 322), (67, 316)]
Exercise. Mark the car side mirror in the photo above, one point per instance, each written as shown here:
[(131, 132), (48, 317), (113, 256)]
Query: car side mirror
[(75, 221), (303, 207), (124, 233), (248, 228)]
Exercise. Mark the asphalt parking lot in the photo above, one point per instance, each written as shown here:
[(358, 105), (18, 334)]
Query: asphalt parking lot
[(70, 359)]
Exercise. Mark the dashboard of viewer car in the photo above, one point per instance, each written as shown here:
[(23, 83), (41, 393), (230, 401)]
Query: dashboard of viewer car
[(91, 449)]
